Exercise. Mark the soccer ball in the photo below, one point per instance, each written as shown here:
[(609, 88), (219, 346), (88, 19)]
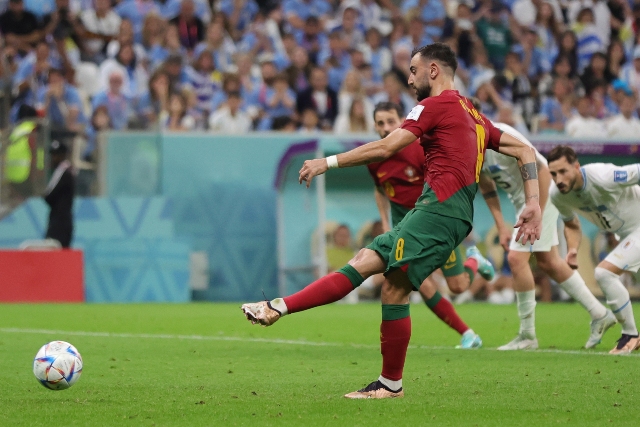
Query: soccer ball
[(57, 365)]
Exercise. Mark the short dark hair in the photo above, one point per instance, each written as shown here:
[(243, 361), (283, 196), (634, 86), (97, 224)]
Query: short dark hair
[(561, 151), (440, 52), (387, 106)]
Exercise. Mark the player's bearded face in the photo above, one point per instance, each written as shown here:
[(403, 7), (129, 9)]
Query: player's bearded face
[(422, 92)]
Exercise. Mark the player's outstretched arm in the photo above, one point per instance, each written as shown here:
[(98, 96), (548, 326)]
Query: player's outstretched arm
[(573, 235), (372, 152), (490, 194), (383, 207), (530, 220)]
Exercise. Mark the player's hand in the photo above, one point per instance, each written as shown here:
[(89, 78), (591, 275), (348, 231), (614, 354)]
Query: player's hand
[(504, 235), (311, 168), (572, 258), (529, 224)]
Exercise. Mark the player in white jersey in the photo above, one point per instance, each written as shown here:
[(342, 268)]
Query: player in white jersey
[(609, 197), (505, 172)]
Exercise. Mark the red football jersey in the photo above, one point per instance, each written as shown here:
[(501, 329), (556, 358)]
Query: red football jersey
[(401, 175), (454, 136)]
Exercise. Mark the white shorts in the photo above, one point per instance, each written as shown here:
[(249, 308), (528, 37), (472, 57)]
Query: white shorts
[(548, 237), (626, 256)]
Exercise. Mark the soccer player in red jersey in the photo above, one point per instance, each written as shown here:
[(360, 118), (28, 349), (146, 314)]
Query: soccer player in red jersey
[(399, 182), (454, 137)]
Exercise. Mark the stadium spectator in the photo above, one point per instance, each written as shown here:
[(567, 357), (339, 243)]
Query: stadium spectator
[(534, 60), (430, 12), (153, 31), (118, 105), (335, 59), (220, 44), (589, 39), (555, 110), (548, 28), (280, 101), (401, 57), (309, 122), (135, 76), (394, 92), (230, 119), (312, 39), (568, 47), (32, 75), (616, 58), (351, 32), (603, 106), (175, 118), (136, 11), (480, 71), (525, 11), (379, 56), (170, 46), (596, 72), (320, 98), (239, 13), (191, 29), (19, 27), (100, 122), (64, 26), (351, 89), (521, 89), (100, 25), (630, 73), (600, 13), (298, 11), (155, 100), (124, 37), (626, 124), (61, 103), (283, 124), (583, 124), (356, 119), (204, 80), (495, 35), (299, 70)]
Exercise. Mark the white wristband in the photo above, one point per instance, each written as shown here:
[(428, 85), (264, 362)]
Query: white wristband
[(332, 162)]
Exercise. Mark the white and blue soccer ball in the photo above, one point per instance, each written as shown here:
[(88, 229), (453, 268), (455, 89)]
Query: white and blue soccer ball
[(57, 365)]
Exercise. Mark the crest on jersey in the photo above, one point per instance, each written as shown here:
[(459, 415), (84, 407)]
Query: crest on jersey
[(620, 176), (415, 112), (410, 172)]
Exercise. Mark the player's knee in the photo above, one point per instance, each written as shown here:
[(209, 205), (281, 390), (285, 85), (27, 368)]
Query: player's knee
[(516, 260), (604, 276), (458, 284)]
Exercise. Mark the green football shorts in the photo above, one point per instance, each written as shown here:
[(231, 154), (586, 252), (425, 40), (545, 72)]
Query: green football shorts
[(420, 244), (455, 263)]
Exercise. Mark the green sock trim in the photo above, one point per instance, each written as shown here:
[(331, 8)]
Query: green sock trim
[(434, 300), (470, 273), (395, 311), (352, 274)]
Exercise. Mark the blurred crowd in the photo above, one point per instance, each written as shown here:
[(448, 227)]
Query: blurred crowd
[(234, 66)]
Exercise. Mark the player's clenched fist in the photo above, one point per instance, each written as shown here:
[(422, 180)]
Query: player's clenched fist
[(311, 168)]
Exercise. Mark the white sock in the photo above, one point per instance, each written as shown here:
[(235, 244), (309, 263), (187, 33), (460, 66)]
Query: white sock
[(278, 304), (392, 385), (578, 290), (617, 299), (527, 313)]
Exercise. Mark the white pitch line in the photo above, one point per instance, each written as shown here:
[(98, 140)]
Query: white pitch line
[(268, 341)]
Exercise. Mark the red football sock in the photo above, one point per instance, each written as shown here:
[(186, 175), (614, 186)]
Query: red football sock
[(328, 289), (445, 311), (471, 264), (394, 340)]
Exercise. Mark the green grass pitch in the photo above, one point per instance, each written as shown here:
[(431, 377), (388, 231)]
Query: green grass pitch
[(205, 365)]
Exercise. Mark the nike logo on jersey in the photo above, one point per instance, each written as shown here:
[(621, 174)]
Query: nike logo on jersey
[(446, 267), (381, 174)]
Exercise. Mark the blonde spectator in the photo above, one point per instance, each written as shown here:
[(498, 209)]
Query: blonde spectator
[(625, 124), (351, 89), (583, 124), (153, 30), (357, 120), (230, 119)]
